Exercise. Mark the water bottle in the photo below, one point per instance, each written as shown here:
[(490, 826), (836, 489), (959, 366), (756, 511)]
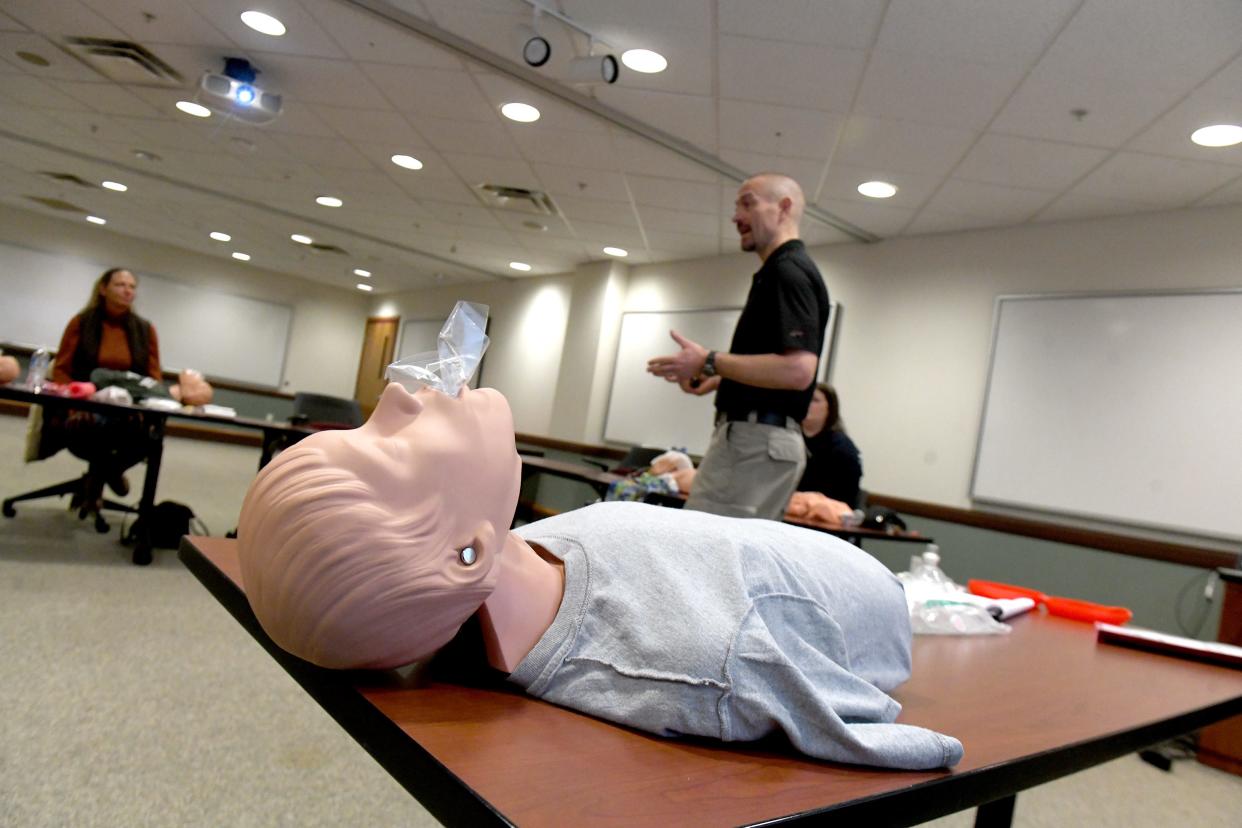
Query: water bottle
[(37, 373)]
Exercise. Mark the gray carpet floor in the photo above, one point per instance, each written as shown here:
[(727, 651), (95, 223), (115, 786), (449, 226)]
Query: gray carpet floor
[(129, 697)]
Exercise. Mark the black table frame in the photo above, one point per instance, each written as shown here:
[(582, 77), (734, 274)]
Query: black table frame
[(154, 422)]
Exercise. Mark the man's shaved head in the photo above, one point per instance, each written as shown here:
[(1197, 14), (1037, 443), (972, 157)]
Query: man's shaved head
[(768, 212), (775, 186)]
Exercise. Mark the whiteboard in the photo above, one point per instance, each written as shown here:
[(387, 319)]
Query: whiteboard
[(647, 411), (226, 337), (1126, 408)]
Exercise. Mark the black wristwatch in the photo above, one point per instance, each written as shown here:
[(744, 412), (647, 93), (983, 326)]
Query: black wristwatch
[(709, 365)]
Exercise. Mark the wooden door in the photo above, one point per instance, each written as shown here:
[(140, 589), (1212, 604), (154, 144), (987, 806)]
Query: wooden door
[(378, 345)]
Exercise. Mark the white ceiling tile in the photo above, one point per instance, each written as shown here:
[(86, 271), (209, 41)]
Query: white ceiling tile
[(880, 219), (470, 137), (691, 65), (603, 234), (691, 118), (303, 36), (952, 93), (1007, 204), (524, 227), (32, 92), (980, 31), (439, 189), (60, 65), (368, 39), (944, 221), (484, 169), (814, 233), (333, 152), (314, 80), (1170, 134), (778, 130), (65, 17), (846, 24), (676, 195), (378, 125), (554, 114), (1149, 45), (842, 183), (434, 93), (683, 244), (678, 221), (1024, 162), (1044, 107), (596, 211), (806, 171), (793, 74), (685, 14), (1155, 179), (1229, 194), (584, 149), (109, 98), (160, 21), (1076, 206), (902, 145), (640, 155)]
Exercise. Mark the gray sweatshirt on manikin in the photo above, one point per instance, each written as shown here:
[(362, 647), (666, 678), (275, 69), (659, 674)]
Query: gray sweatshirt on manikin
[(680, 622)]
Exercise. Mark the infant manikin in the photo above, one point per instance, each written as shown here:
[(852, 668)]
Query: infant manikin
[(370, 548)]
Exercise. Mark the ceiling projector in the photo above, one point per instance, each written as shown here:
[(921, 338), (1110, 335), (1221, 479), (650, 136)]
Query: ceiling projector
[(234, 94)]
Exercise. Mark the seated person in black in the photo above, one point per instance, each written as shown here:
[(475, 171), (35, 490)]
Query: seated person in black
[(833, 464)]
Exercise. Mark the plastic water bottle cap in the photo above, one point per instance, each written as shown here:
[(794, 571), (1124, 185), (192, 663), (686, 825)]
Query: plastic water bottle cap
[(931, 557)]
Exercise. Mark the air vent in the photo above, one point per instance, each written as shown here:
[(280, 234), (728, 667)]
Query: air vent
[(123, 61), (57, 204), (516, 199), (67, 178)]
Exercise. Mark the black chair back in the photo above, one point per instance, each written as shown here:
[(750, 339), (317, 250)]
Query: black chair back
[(324, 411)]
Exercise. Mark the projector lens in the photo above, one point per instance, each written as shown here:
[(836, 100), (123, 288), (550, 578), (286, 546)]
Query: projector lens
[(246, 94)]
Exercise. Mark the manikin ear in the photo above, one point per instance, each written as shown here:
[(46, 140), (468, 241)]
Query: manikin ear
[(474, 563)]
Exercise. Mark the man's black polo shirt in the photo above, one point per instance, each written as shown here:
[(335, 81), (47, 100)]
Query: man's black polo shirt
[(787, 309)]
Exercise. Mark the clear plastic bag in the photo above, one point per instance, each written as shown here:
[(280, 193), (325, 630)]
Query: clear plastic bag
[(938, 606), (462, 342)]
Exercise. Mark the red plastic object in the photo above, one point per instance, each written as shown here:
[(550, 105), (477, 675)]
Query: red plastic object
[(1087, 611), (995, 589)]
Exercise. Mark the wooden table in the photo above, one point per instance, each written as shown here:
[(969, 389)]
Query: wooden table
[(1029, 707), (1221, 744), (275, 436)]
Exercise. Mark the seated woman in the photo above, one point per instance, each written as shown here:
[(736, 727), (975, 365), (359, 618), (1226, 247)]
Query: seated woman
[(106, 334), (833, 464)]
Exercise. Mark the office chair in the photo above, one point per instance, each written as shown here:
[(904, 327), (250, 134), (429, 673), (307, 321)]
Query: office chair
[(83, 490), (638, 457), (321, 411)]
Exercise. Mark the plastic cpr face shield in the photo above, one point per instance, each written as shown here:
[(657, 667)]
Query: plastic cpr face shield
[(448, 369)]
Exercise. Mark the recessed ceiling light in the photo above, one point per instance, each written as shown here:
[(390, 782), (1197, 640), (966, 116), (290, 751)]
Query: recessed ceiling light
[(263, 23), (96, 220), (329, 201), (644, 60), (241, 257), (619, 252), (877, 189), (300, 239), (364, 286), (366, 274), (145, 155), (195, 109), (407, 161), (1219, 135), (218, 236), (522, 266), (520, 112), (114, 185)]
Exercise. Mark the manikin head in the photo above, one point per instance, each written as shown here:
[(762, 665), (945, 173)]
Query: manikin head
[(191, 388), (9, 369), (351, 542), (768, 212)]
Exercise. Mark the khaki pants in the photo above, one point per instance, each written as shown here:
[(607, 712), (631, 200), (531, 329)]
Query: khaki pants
[(750, 470)]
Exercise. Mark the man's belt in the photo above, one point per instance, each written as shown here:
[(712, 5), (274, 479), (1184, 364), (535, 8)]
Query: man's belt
[(772, 418)]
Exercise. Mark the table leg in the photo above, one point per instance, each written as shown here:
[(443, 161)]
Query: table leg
[(146, 506), (996, 814)]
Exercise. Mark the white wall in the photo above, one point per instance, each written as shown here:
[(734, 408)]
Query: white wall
[(326, 337), (915, 327), (528, 318)]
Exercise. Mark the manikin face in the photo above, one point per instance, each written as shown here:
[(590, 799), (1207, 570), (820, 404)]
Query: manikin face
[(756, 215), (459, 451), (817, 413), (119, 293)]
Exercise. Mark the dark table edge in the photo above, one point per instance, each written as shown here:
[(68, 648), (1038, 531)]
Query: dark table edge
[(436, 788), (452, 802)]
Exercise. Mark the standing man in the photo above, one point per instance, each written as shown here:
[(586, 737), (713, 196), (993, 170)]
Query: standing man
[(765, 380)]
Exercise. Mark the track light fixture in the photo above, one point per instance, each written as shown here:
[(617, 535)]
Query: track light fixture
[(536, 51)]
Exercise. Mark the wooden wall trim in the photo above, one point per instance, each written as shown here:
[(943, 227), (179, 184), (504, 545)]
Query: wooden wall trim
[(576, 448), (1093, 539)]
